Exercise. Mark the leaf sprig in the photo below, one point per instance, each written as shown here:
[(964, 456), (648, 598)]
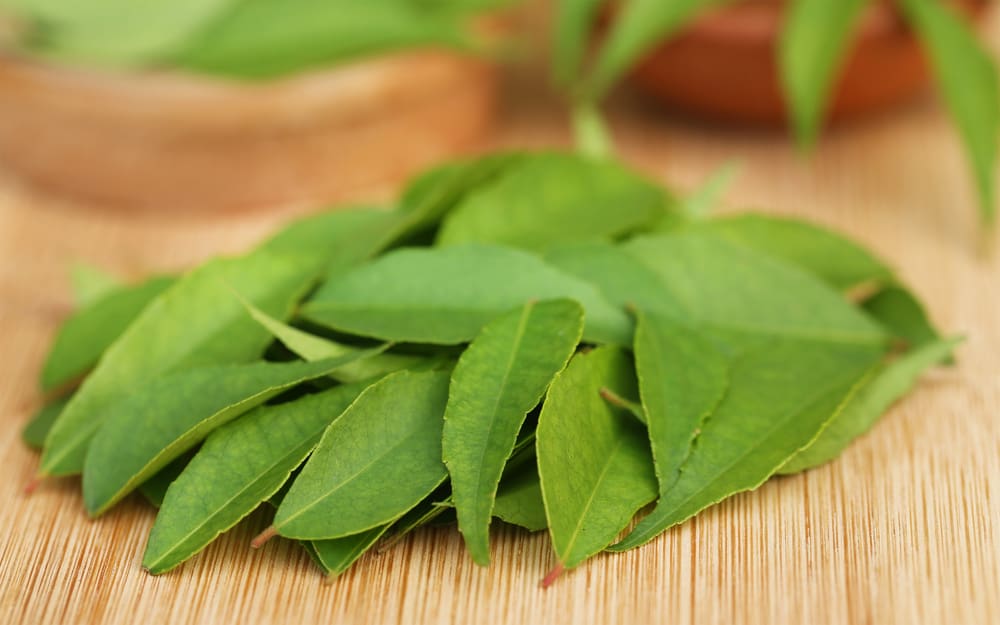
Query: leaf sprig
[(540, 338), (814, 43)]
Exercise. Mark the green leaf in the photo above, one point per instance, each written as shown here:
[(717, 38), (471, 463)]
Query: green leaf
[(593, 460), (446, 296), (37, 428), (781, 392), (902, 315), (88, 333), (683, 376), (554, 198), (376, 462), (431, 196), (729, 288), (618, 275), (176, 412), (155, 488), (119, 32), (883, 388), (574, 23), (814, 41), (638, 26), (266, 38), (967, 76), (241, 464), (519, 500), (91, 283), (499, 378), (201, 321), (832, 258), (311, 347), (337, 555)]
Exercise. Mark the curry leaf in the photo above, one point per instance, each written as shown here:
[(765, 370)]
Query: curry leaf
[(836, 260), (311, 347), (199, 320), (337, 555), (499, 378), (445, 296), (154, 489), (637, 27), (886, 385), (378, 460), (734, 289), (780, 394), (683, 376), (88, 333), (519, 500), (531, 206), (902, 315), (38, 426), (593, 460), (968, 79), (175, 413), (814, 41), (240, 465), (574, 22)]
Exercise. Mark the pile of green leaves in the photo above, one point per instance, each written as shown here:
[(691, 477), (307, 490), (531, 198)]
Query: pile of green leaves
[(815, 41), (536, 337), (238, 38)]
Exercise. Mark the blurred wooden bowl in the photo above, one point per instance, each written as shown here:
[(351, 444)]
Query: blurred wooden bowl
[(723, 66), (188, 143)]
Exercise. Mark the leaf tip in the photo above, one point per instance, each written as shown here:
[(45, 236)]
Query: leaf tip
[(263, 537)]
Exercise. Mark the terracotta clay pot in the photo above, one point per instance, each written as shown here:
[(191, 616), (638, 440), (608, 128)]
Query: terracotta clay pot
[(181, 142), (723, 66)]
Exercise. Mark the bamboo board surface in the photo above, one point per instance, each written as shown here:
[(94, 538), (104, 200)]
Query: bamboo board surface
[(903, 528)]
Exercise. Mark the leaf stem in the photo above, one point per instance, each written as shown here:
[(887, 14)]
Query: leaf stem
[(552, 575), (263, 537)]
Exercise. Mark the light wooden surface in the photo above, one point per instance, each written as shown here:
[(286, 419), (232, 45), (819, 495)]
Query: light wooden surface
[(903, 528)]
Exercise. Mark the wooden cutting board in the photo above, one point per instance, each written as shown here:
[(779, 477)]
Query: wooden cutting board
[(903, 528)]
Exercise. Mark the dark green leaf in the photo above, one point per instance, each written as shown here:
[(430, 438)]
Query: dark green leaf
[(201, 320), (176, 412), (240, 465)]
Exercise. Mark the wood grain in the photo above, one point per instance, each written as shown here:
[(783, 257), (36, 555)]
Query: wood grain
[(902, 529)]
